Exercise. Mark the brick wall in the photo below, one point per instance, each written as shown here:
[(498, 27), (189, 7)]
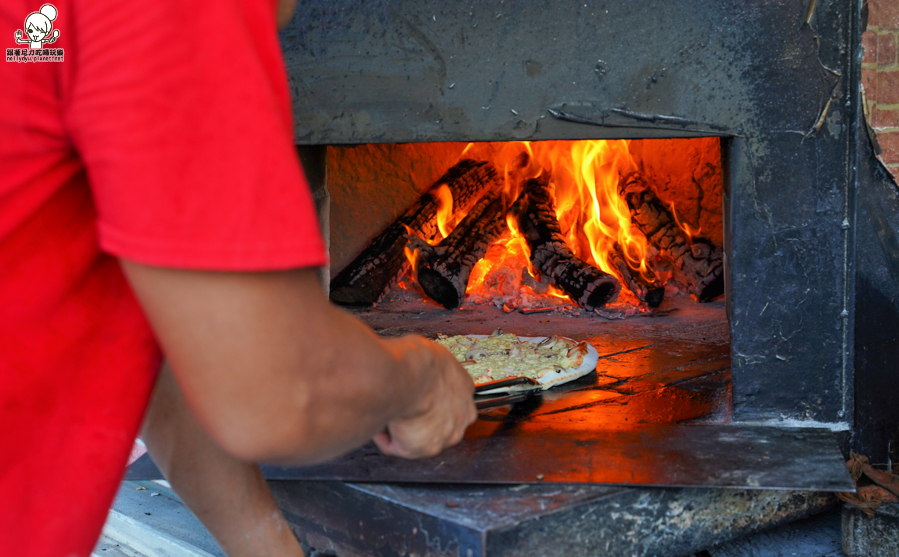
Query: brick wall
[(880, 78)]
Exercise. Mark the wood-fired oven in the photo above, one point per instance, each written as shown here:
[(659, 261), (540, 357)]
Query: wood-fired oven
[(756, 106), (773, 81)]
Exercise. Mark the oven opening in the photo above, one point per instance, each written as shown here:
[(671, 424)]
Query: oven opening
[(616, 242)]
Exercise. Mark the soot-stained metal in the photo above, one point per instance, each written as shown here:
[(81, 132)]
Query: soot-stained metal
[(775, 80), (525, 520)]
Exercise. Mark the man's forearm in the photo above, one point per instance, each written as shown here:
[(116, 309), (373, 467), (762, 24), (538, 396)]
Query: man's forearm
[(275, 372), (229, 496)]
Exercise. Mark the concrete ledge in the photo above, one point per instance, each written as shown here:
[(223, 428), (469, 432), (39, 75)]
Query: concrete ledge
[(138, 539), (871, 537)]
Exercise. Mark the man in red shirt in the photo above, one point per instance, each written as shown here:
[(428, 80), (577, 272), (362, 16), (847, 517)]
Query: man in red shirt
[(157, 159)]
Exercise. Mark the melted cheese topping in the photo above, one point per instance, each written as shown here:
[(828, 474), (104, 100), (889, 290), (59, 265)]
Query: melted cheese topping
[(505, 355)]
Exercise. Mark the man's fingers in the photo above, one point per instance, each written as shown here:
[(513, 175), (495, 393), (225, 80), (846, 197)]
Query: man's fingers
[(415, 440), (457, 436), (384, 442), (382, 439), (439, 418), (391, 448)]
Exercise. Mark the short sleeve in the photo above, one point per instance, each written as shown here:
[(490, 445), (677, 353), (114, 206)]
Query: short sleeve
[(181, 114)]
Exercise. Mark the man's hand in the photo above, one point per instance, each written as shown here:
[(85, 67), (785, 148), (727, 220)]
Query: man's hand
[(441, 416)]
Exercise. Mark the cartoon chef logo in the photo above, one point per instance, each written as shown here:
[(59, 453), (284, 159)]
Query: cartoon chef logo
[(38, 33), (39, 28)]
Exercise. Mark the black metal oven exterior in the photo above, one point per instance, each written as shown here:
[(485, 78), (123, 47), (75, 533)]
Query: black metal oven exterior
[(777, 80)]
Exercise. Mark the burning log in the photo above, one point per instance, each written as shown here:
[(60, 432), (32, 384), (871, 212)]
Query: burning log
[(367, 278), (697, 263), (645, 286), (444, 269), (536, 215)]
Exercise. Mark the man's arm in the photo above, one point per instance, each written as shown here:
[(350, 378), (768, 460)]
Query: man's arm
[(275, 373), (229, 496)]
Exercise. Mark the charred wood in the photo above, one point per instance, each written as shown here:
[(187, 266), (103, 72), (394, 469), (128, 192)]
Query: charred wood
[(645, 286), (367, 278), (444, 269), (585, 284), (697, 263)]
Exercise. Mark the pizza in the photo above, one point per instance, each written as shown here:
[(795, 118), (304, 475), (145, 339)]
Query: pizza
[(549, 360)]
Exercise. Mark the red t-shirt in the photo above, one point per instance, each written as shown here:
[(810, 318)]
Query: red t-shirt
[(164, 137)]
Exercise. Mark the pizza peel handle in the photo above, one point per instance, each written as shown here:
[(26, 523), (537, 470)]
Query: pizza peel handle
[(520, 396), (486, 388)]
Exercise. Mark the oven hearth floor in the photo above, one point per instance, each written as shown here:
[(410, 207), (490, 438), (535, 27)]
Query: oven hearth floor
[(667, 367)]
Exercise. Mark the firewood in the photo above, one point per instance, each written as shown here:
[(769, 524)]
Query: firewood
[(535, 212), (444, 269), (646, 287), (367, 278), (696, 262)]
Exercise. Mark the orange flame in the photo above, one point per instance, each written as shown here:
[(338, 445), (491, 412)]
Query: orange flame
[(412, 256), (445, 221), (584, 177), (590, 212), (688, 230)]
